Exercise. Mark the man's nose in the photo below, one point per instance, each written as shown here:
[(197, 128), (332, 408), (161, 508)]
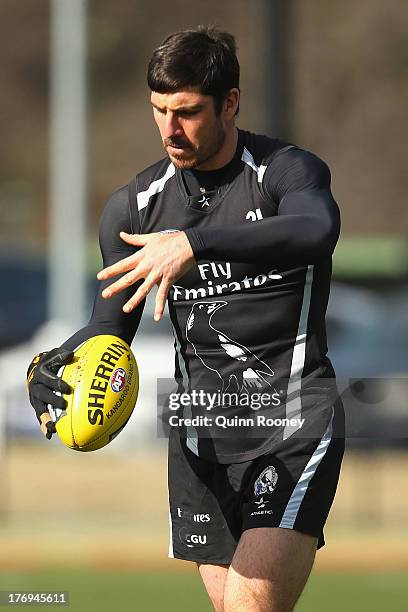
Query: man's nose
[(172, 126)]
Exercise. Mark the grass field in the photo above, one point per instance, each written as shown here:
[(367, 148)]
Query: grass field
[(148, 592), (102, 528)]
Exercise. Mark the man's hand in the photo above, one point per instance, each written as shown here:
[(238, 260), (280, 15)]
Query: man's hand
[(162, 260), (42, 381)]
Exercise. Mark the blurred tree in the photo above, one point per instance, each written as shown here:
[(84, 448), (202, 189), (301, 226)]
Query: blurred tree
[(349, 82)]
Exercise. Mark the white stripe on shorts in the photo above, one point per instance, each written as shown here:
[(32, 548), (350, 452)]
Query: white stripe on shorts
[(192, 435), (299, 492), (171, 553)]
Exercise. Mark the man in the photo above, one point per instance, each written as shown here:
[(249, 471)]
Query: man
[(237, 230)]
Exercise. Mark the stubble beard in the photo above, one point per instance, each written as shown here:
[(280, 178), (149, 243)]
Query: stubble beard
[(199, 155)]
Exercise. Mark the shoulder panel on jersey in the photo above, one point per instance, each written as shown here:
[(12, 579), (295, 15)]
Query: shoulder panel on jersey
[(248, 158), (143, 186), (152, 181), (295, 169), (258, 151)]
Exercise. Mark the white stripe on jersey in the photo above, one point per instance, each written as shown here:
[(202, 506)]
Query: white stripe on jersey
[(248, 159), (294, 406), (143, 197), (192, 435), (171, 553), (298, 494)]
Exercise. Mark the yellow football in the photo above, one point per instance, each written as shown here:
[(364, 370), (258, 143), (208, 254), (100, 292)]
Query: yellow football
[(105, 382)]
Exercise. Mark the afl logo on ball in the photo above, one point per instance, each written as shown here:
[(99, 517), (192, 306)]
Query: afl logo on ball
[(118, 380)]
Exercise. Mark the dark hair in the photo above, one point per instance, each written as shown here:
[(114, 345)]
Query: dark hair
[(204, 58)]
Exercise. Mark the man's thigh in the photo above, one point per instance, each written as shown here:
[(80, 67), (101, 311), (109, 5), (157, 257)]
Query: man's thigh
[(269, 570)]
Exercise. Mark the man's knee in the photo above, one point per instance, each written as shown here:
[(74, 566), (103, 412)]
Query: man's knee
[(269, 570)]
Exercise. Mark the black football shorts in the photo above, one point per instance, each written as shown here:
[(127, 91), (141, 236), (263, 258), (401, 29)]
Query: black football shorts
[(212, 504)]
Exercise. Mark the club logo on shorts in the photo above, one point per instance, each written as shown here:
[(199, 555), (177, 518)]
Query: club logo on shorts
[(266, 482), (118, 380)]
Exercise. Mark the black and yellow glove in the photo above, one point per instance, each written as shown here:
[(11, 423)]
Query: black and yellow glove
[(42, 381)]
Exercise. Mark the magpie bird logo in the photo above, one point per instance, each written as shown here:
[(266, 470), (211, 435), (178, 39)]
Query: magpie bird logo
[(266, 481), (265, 484), (242, 371)]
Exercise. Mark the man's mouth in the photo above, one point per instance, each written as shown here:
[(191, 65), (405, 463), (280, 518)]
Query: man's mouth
[(176, 145)]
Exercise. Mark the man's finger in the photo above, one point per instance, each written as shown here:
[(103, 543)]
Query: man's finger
[(123, 283), (161, 298), (53, 381), (124, 265), (47, 425), (46, 396), (141, 293), (58, 357), (135, 239)]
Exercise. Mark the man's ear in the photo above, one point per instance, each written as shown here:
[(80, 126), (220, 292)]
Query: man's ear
[(231, 103)]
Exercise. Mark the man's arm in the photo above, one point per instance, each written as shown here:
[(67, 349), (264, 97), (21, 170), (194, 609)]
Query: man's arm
[(305, 229), (107, 317)]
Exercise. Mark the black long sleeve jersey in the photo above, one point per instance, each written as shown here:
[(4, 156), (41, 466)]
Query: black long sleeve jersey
[(249, 317)]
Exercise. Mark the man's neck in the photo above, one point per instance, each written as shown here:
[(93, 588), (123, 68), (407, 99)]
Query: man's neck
[(225, 154)]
